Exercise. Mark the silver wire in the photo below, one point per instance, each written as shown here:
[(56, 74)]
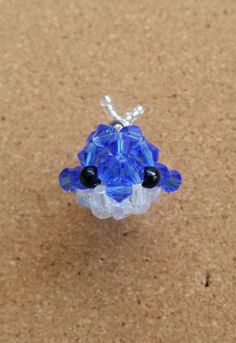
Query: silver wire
[(127, 119)]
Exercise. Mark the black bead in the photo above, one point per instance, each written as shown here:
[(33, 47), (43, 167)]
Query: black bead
[(151, 177), (89, 177)]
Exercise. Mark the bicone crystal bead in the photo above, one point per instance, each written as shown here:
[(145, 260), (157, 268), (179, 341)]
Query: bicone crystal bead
[(118, 171), (174, 182), (104, 135), (119, 193), (69, 179), (92, 155), (154, 150), (133, 133), (65, 180), (142, 155), (90, 137)]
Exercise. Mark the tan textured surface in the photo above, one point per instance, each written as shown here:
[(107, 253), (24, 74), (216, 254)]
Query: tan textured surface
[(64, 275)]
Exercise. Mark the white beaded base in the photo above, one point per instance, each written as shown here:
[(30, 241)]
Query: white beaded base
[(103, 206)]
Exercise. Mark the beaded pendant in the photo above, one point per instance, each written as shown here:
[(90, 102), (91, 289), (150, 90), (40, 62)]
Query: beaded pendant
[(119, 172)]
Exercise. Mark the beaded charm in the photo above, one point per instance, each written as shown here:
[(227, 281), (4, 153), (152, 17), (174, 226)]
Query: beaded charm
[(119, 172)]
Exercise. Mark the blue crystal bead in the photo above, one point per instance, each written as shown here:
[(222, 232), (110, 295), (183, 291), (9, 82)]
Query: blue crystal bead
[(142, 155), (173, 182), (120, 146), (69, 179), (65, 180), (119, 193), (92, 155), (90, 137), (104, 135), (118, 171), (133, 133), (154, 150)]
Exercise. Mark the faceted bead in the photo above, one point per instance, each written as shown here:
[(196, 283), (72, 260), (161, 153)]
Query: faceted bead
[(120, 146), (173, 182), (92, 155), (84, 202), (132, 132), (104, 135), (84, 197), (65, 180), (154, 150), (142, 155), (118, 171), (69, 179), (90, 136), (119, 193)]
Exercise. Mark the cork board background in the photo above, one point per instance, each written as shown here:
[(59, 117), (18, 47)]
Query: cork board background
[(166, 276)]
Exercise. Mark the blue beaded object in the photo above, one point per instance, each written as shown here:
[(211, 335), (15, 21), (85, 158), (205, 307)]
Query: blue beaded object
[(118, 155)]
